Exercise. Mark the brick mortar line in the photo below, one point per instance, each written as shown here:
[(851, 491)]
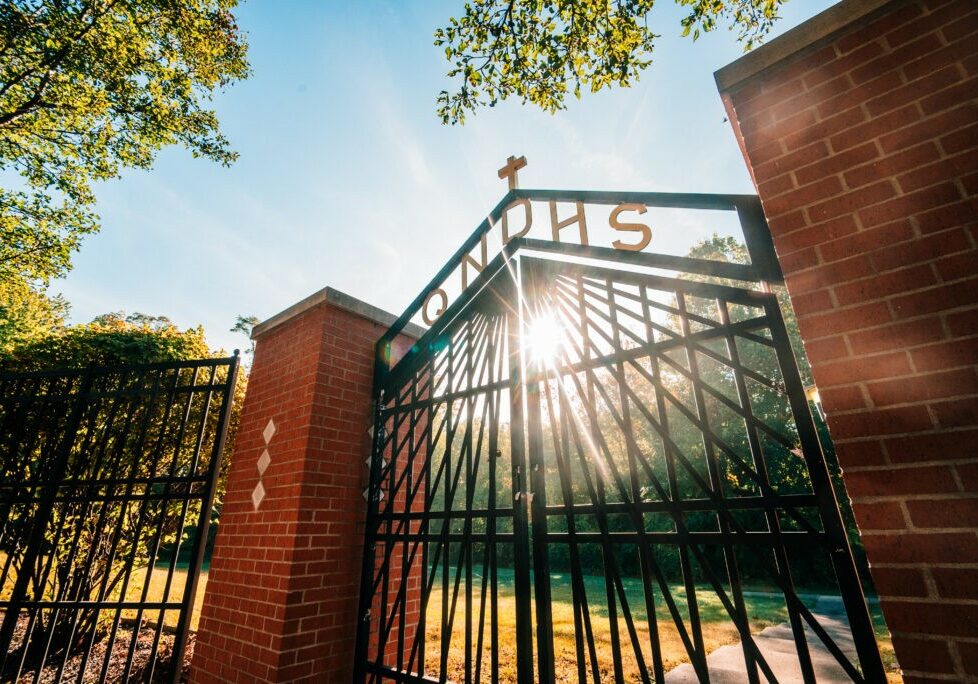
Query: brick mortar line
[(959, 676), (935, 637), (910, 466), (905, 404), (962, 308), (926, 498), (924, 375), (915, 531), (902, 466), (862, 231), (926, 565), (944, 600), (880, 439)]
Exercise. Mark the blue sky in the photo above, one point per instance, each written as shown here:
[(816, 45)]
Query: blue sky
[(347, 178)]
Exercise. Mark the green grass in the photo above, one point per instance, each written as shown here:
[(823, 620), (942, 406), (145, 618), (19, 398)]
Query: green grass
[(717, 628), (157, 593), (177, 585)]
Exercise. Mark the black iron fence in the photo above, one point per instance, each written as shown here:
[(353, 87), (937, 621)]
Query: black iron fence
[(107, 475)]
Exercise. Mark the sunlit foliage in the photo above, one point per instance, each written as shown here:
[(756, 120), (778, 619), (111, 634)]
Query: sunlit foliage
[(90, 87), (110, 339), (27, 314), (538, 50)]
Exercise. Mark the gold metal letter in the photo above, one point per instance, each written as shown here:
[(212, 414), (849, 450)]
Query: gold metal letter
[(526, 228), (645, 230), (441, 309), (466, 260), (576, 218)]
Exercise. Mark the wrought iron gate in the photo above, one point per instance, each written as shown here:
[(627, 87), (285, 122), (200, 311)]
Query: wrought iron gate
[(107, 480), (583, 471)]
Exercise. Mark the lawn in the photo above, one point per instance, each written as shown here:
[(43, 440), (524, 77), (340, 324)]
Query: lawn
[(157, 588), (717, 628)]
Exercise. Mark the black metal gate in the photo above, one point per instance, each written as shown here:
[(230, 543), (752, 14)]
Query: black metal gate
[(107, 480), (592, 473)]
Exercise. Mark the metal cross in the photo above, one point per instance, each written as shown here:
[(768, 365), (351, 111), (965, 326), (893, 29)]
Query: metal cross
[(509, 171)]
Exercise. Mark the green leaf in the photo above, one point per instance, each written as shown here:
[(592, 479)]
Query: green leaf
[(92, 88), (535, 50)]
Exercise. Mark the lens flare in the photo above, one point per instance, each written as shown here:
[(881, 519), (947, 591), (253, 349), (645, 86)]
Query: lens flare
[(544, 337)]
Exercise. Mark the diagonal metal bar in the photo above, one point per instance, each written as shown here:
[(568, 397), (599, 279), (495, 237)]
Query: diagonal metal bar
[(695, 420), (789, 593)]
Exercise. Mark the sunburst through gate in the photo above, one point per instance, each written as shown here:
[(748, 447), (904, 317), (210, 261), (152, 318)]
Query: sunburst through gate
[(586, 471)]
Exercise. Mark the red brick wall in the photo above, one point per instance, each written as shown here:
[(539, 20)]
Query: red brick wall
[(281, 599), (864, 151)]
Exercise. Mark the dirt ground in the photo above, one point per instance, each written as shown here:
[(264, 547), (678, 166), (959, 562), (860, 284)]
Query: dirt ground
[(116, 672)]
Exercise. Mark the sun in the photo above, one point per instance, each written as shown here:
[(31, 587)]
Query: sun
[(544, 336)]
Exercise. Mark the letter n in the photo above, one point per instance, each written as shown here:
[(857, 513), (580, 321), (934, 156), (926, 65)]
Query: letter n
[(467, 261)]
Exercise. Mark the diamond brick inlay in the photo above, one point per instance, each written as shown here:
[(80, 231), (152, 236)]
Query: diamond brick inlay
[(366, 495), (269, 431), (263, 462), (257, 494)]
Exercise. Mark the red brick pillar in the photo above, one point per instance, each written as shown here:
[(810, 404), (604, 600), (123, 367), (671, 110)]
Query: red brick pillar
[(281, 597), (860, 128)]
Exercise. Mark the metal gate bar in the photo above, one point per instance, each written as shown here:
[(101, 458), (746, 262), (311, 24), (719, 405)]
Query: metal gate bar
[(108, 473), (598, 467)]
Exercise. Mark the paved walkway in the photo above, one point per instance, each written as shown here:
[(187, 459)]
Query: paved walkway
[(777, 645)]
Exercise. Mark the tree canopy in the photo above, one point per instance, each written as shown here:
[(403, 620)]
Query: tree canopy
[(537, 50), (109, 339), (26, 314), (89, 87), (244, 325)]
